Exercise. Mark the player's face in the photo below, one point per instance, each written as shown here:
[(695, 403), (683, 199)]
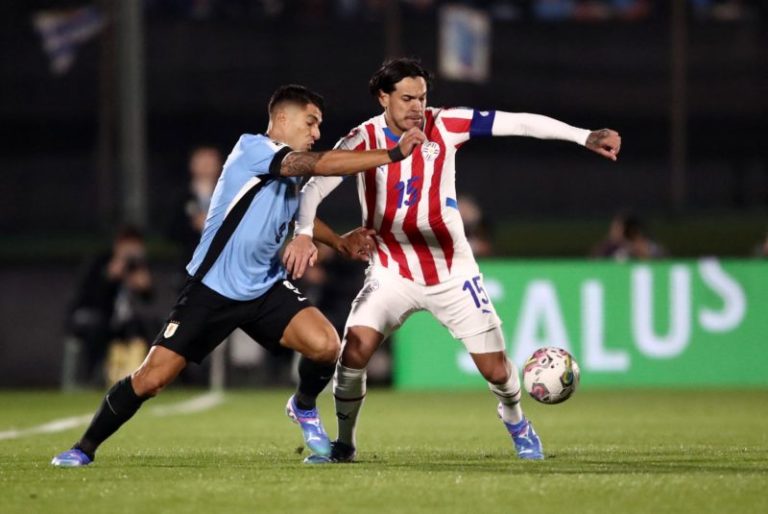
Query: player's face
[(302, 126), (404, 107)]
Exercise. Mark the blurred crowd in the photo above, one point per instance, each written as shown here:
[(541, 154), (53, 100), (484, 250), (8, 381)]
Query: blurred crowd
[(536, 10)]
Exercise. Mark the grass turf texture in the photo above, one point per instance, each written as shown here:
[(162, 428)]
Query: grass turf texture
[(624, 452)]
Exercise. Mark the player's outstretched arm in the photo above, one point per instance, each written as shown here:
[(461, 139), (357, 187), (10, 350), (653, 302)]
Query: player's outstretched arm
[(605, 142), (348, 162)]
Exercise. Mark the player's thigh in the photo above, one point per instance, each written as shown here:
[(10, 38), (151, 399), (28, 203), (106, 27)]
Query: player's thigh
[(462, 305), (200, 321), (385, 302), (286, 318)]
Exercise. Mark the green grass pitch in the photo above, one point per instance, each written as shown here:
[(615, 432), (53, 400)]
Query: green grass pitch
[(608, 452)]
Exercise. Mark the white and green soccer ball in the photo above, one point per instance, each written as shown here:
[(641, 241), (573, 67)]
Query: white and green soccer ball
[(550, 375)]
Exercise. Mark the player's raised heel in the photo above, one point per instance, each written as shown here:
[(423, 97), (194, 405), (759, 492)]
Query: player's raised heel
[(527, 442), (73, 458), (311, 428)]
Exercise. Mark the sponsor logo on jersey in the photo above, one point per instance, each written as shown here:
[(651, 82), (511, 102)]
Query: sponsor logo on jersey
[(430, 151), (170, 329)]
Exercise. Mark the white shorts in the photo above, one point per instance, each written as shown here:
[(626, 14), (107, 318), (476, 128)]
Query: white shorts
[(460, 304)]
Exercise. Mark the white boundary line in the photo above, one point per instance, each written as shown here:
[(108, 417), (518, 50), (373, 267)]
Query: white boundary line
[(198, 404)]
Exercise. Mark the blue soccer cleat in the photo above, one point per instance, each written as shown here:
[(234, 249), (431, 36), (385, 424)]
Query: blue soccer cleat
[(73, 458), (340, 453), (318, 459), (311, 428), (527, 442)]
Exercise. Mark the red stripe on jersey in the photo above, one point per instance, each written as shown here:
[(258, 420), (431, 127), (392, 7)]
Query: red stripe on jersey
[(385, 230), (435, 201), (370, 192), (410, 227), (458, 125)]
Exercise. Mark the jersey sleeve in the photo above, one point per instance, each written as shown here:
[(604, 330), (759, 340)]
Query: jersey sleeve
[(355, 140), (461, 124), (264, 157)]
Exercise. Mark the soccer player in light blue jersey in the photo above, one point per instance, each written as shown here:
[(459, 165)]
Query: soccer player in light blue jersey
[(236, 279)]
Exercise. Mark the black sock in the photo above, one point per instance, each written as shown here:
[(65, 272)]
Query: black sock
[(313, 377), (119, 405)]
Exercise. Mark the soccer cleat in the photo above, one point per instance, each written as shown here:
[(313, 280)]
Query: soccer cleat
[(527, 442), (340, 453), (311, 428), (73, 458), (318, 459)]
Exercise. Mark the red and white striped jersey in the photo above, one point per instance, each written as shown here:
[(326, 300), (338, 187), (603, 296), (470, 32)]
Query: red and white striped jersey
[(412, 203)]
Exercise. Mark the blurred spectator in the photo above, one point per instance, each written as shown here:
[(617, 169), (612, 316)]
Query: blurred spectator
[(614, 241), (628, 239), (108, 317), (761, 250), (638, 243), (476, 226), (205, 164)]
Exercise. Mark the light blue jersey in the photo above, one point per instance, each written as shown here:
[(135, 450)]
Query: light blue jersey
[(249, 263)]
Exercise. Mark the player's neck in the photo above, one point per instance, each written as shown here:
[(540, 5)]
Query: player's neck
[(275, 135), (391, 126)]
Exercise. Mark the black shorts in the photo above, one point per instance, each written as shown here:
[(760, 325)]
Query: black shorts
[(202, 318)]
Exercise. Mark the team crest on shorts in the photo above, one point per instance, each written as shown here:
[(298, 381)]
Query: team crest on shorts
[(430, 151), (170, 329)]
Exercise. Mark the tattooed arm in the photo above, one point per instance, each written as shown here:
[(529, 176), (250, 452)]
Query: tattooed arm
[(348, 162)]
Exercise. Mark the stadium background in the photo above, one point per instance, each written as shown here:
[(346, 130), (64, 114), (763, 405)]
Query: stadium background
[(686, 91), (672, 415)]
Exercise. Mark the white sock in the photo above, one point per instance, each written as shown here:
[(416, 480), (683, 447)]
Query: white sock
[(349, 392), (509, 395)]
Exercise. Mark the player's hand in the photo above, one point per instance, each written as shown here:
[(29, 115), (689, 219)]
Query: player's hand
[(299, 253), (411, 139), (357, 245), (605, 142)]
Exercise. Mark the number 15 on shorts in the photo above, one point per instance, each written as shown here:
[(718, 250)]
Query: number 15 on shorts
[(476, 290)]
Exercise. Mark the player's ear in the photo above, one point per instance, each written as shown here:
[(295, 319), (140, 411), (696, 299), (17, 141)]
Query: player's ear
[(280, 115), (383, 99)]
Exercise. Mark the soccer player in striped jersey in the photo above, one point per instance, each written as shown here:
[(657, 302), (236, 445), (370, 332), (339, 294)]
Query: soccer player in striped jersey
[(235, 276), (420, 258)]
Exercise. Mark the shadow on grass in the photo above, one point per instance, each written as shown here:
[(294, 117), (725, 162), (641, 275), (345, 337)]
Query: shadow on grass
[(652, 462)]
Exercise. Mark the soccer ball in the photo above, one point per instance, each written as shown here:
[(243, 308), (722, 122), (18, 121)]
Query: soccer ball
[(550, 375)]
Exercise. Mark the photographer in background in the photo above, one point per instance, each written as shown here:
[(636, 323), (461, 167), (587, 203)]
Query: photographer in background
[(107, 317)]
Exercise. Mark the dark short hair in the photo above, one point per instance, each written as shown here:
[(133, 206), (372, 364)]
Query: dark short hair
[(293, 93), (129, 233), (393, 71), (633, 227)]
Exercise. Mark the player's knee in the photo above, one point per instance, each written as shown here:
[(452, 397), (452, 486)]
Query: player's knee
[(325, 346), (495, 374), (149, 384), (354, 354)]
